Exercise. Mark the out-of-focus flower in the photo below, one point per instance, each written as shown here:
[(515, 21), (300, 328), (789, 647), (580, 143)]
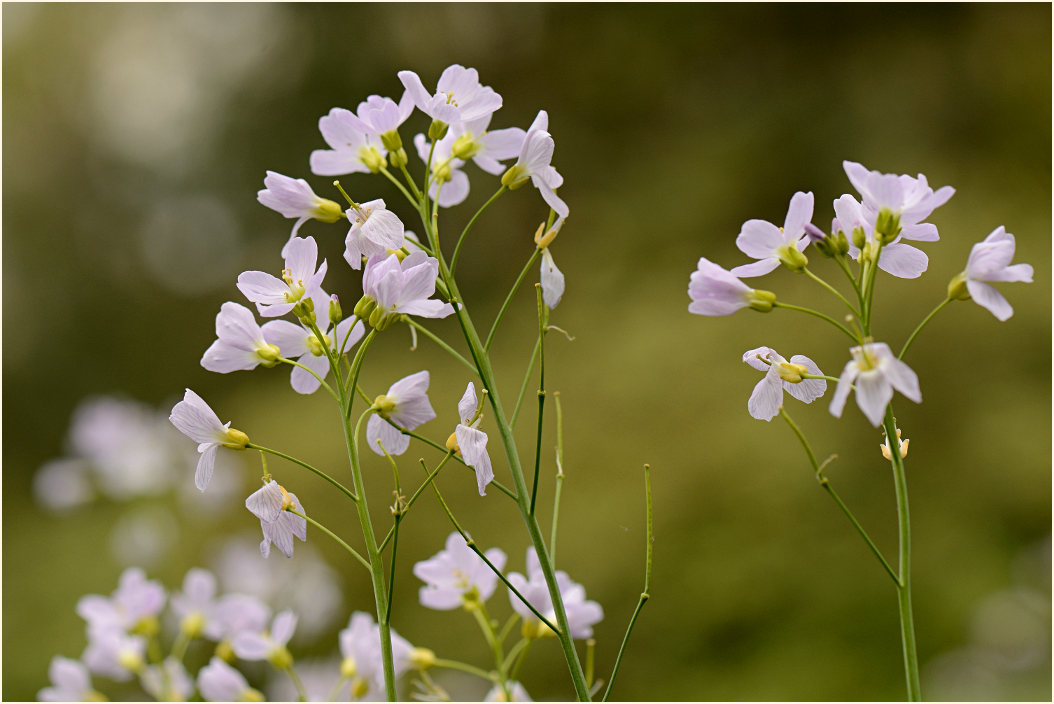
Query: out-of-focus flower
[(196, 604), (456, 575), (168, 682), (240, 344), (990, 261), (393, 287), (293, 198), (268, 645), (459, 96), (581, 614), (550, 277), (771, 245), (471, 441), (113, 653), (715, 291), (193, 417), (135, 601), (70, 682), (219, 682), (535, 163), (767, 398), (517, 692), (407, 404), (300, 278), (62, 485), (360, 646), (875, 372), (374, 230)]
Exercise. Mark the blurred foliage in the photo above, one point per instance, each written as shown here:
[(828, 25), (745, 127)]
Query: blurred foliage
[(135, 136)]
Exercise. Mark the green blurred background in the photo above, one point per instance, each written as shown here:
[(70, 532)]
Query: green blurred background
[(135, 137)]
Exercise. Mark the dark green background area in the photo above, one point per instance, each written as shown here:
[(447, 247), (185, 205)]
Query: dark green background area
[(135, 137)]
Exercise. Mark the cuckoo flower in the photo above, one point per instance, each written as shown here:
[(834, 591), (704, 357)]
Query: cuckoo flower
[(715, 291), (135, 601), (771, 245), (70, 682), (268, 645), (167, 681), (551, 278), (353, 149), (382, 117), (446, 170), (472, 140), (767, 399), (581, 614), (534, 163), (517, 693), (456, 575), (897, 258), (875, 372), (470, 441), (219, 682), (394, 286), (274, 296), (374, 230), (271, 503), (459, 96), (406, 403), (239, 344), (360, 648), (196, 605), (990, 261), (193, 417), (297, 342), (293, 198), (114, 654), (895, 204)]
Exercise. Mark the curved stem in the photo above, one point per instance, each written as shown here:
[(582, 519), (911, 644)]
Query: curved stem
[(833, 290), (312, 372), (427, 482), (353, 375), (301, 691), (436, 339), (821, 316), (461, 239), (331, 534), (917, 330), (508, 298), (388, 175), (344, 490)]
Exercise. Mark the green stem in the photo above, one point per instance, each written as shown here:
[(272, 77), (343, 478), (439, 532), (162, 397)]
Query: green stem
[(925, 320), (508, 298), (523, 387), (427, 482), (421, 197), (485, 625), (346, 491), (436, 339), (461, 239), (645, 595), (388, 175), (312, 372), (869, 289), (559, 476), (821, 316), (820, 376), (391, 563), (542, 310), (301, 691), (333, 535), (353, 375), (907, 621), (825, 483), (463, 667), (833, 290)]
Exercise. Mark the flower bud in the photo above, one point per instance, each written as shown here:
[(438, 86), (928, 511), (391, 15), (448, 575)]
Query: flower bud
[(437, 130), (451, 443), (422, 658), (305, 311), (236, 439), (465, 147), (842, 243), (791, 258), (887, 452), (364, 307), (957, 290), (335, 313), (398, 158), (859, 237), (887, 226), (131, 661), (224, 651), (816, 235), (761, 301), (371, 158), (515, 177), (392, 141)]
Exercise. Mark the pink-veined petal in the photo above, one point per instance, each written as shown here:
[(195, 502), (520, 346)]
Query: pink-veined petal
[(206, 464), (767, 397)]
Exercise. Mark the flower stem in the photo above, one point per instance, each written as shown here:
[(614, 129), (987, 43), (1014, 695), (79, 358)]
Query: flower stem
[(508, 299), (463, 667), (523, 386), (388, 175), (925, 320), (436, 339), (542, 315), (346, 491), (427, 482), (833, 290), (818, 314), (559, 476), (301, 691), (333, 535), (312, 372), (907, 621), (644, 596), (461, 239)]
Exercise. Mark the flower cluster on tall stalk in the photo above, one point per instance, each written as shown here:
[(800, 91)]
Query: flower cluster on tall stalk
[(406, 281), (869, 234)]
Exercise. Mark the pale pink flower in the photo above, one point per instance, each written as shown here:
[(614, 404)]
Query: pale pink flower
[(715, 291), (219, 682), (767, 243), (280, 526), (908, 198), (353, 149), (193, 417), (403, 286), (135, 599), (472, 442), (535, 163), (374, 230), (990, 261), (405, 403), (300, 278), (239, 344), (767, 398), (456, 572), (581, 614), (258, 645), (875, 372), (360, 647), (70, 682), (293, 198), (897, 258), (459, 96)]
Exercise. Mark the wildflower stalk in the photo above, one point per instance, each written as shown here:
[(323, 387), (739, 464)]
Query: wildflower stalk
[(508, 299), (818, 314), (436, 339), (645, 595), (301, 691), (833, 290), (463, 667), (907, 622), (559, 477), (405, 509), (523, 387), (542, 315), (333, 535), (940, 306), (464, 233), (479, 611)]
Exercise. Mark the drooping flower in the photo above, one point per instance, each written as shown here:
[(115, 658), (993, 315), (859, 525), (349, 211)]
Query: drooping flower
[(403, 286), (193, 417), (517, 693), (471, 441), (535, 163), (876, 372), (353, 150), (895, 204), (456, 575), (293, 198), (239, 344), (360, 648), (715, 291), (374, 230), (550, 277), (297, 342), (581, 614), (270, 503), (270, 644), (897, 258), (219, 682), (300, 278), (767, 398), (459, 96), (406, 403), (771, 245), (990, 261), (70, 682)]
